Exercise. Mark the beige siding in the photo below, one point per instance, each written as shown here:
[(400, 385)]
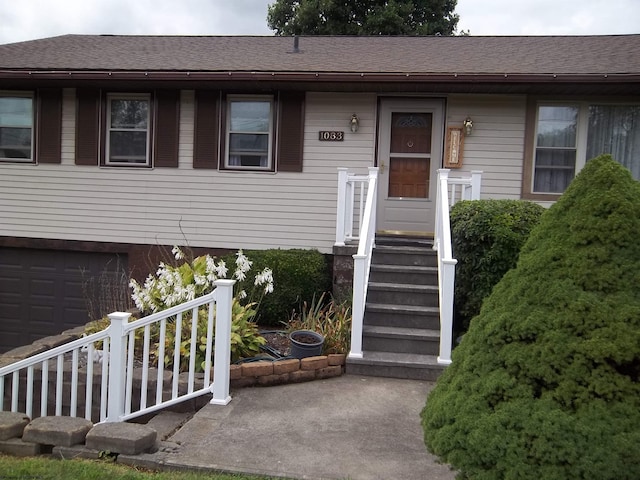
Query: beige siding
[(496, 145), (199, 207)]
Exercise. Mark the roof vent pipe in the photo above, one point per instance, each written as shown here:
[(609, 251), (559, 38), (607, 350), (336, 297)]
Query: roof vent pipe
[(296, 43)]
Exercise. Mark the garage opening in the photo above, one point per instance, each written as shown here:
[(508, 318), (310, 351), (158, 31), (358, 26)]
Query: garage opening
[(44, 292)]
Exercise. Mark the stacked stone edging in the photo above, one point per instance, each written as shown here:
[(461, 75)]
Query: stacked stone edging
[(22, 437), (266, 373)]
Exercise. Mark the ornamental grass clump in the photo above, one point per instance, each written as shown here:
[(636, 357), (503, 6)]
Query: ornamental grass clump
[(175, 284), (545, 384), (330, 319)]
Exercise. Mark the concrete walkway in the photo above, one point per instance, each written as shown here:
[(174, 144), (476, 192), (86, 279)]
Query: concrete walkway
[(349, 427)]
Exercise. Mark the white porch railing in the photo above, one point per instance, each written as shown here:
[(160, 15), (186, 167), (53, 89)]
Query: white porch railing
[(27, 382), (353, 191), (449, 191), (360, 214)]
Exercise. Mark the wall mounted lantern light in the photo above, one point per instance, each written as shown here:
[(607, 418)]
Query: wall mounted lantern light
[(354, 123), (468, 126)]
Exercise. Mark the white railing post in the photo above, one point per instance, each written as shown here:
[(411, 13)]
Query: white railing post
[(447, 285), (476, 179), (117, 352), (222, 353), (357, 313), (342, 203), (441, 194)]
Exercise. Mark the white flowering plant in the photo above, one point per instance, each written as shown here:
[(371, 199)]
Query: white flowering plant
[(172, 285)]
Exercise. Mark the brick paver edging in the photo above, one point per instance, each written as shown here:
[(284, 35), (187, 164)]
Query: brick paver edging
[(266, 373)]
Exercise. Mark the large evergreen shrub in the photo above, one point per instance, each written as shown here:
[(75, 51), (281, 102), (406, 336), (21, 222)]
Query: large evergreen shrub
[(487, 237), (546, 382), (298, 275)]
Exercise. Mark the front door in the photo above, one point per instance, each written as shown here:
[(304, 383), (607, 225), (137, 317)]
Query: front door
[(409, 155)]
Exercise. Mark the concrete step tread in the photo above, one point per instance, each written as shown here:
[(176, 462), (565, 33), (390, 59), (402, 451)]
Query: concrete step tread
[(402, 268), (411, 360), (412, 309), (401, 332), (402, 287), (426, 249), (394, 237)]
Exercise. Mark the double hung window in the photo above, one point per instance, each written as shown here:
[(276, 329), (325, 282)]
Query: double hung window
[(568, 135), (128, 136), (16, 128), (249, 133)]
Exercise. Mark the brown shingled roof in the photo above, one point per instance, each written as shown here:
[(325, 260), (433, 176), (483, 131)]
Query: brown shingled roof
[(562, 55)]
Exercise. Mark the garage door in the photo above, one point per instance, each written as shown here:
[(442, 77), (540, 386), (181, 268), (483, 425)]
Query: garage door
[(44, 292)]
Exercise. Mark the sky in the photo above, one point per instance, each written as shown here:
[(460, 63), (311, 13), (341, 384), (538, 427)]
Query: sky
[(30, 19)]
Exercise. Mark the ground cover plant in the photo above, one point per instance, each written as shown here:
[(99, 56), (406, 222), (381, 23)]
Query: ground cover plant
[(545, 384), (487, 237)]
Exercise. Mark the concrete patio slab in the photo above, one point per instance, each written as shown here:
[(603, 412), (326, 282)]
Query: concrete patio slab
[(361, 428)]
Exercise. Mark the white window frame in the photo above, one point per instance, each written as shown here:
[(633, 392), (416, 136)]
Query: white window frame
[(582, 131), (249, 98), (109, 129), (28, 95)]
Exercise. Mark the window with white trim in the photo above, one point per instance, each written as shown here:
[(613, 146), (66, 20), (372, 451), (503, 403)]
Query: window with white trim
[(249, 133), (16, 128), (568, 135), (127, 142)]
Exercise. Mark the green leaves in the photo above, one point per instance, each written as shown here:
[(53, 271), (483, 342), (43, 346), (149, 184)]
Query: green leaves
[(363, 17), (545, 384), (487, 238)]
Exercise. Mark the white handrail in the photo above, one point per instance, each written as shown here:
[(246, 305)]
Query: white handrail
[(446, 196), (362, 263), (116, 357), (352, 192)]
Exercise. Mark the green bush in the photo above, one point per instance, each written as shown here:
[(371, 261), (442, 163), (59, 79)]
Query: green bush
[(545, 384), (298, 275), (487, 237)]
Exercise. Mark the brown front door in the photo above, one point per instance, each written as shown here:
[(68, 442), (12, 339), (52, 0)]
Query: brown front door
[(410, 142)]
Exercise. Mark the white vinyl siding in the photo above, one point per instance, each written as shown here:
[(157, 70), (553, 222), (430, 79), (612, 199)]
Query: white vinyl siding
[(205, 208), (496, 145)]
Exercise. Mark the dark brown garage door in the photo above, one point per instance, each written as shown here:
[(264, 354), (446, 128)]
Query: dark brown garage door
[(44, 292)]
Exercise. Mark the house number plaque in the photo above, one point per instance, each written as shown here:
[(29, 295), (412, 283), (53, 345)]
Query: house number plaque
[(331, 136)]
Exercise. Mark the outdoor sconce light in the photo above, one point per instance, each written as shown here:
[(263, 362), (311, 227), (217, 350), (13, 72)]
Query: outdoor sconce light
[(468, 126), (354, 123)]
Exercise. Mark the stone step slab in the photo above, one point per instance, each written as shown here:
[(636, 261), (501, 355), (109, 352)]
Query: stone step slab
[(12, 424), (121, 437), (57, 431)]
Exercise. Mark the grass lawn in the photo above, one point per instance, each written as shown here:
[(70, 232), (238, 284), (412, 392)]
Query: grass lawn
[(39, 468)]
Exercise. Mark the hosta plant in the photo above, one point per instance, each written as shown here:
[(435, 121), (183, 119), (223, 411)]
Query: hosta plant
[(172, 285)]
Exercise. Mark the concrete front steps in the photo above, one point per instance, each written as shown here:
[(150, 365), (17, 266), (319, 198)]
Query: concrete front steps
[(401, 332)]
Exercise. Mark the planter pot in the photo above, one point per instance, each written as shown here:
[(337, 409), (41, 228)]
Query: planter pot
[(305, 343)]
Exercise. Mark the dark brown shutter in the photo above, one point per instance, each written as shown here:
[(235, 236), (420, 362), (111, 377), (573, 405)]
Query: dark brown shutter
[(87, 126), (167, 128), (49, 126), (290, 131), (207, 130)]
